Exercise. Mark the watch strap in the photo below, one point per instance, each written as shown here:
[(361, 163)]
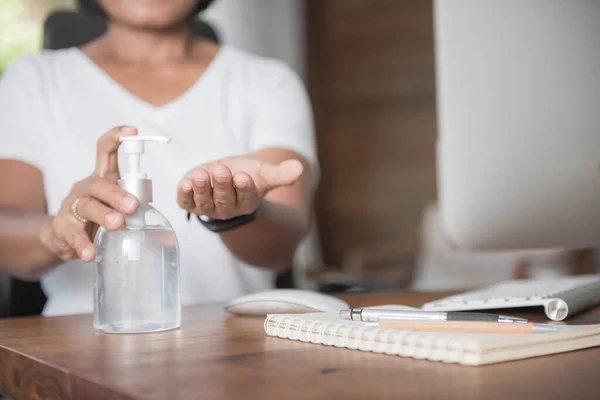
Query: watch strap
[(223, 225)]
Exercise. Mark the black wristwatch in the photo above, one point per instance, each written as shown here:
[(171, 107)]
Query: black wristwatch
[(222, 225)]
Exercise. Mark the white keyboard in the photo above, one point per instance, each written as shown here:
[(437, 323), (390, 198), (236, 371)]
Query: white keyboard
[(560, 297)]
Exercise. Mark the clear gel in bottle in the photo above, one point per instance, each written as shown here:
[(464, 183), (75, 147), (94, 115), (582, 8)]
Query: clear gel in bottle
[(136, 271)]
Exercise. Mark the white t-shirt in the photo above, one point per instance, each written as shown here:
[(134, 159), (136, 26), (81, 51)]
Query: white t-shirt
[(55, 105)]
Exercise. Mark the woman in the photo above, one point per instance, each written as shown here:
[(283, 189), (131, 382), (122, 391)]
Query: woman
[(242, 138)]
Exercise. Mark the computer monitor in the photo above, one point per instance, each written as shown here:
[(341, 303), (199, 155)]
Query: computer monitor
[(518, 152)]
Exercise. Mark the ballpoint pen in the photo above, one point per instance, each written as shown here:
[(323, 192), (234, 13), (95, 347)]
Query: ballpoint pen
[(462, 326), (374, 315)]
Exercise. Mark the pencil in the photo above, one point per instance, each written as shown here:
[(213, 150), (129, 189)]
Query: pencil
[(463, 326)]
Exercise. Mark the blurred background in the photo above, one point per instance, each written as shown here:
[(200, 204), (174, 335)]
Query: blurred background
[(370, 70)]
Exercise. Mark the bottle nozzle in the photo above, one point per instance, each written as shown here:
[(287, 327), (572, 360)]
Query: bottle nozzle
[(133, 180), (148, 138), (133, 146)]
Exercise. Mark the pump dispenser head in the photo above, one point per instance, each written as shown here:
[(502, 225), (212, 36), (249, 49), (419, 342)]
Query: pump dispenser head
[(132, 179)]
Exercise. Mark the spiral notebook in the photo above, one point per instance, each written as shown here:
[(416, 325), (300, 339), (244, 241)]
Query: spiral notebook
[(465, 349)]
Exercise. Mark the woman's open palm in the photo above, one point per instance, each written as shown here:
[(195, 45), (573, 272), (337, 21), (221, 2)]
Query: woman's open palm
[(233, 186)]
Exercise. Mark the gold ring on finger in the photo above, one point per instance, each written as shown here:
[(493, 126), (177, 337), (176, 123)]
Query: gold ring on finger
[(75, 213)]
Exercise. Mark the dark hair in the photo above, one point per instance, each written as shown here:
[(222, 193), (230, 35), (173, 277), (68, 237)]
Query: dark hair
[(93, 7)]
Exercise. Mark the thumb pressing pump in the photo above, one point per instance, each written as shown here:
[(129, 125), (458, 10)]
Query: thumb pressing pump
[(136, 271)]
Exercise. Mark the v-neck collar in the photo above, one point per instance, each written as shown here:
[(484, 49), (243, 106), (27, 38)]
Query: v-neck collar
[(156, 112)]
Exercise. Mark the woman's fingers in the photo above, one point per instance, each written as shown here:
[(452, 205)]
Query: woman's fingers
[(98, 201), (55, 244), (246, 193), (106, 151), (79, 241), (185, 195), (95, 211), (67, 238), (220, 194), (113, 195), (224, 195), (203, 193)]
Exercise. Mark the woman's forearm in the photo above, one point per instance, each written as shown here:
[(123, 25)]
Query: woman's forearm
[(22, 253), (271, 239)]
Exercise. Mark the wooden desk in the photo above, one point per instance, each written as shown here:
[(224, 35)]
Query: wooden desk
[(216, 356)]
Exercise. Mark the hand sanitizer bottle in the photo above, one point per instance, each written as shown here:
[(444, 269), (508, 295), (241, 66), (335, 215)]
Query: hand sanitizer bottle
[(136, 271)]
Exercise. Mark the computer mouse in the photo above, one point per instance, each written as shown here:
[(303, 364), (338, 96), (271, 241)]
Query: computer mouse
[(284, 301)]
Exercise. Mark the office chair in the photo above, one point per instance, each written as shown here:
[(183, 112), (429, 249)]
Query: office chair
[(64, 29)]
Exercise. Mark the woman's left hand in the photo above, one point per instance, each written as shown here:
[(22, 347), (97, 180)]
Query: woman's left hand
[(233, 186)]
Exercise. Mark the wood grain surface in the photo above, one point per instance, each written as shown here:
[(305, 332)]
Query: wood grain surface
[(218, 356), (371, 78)]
